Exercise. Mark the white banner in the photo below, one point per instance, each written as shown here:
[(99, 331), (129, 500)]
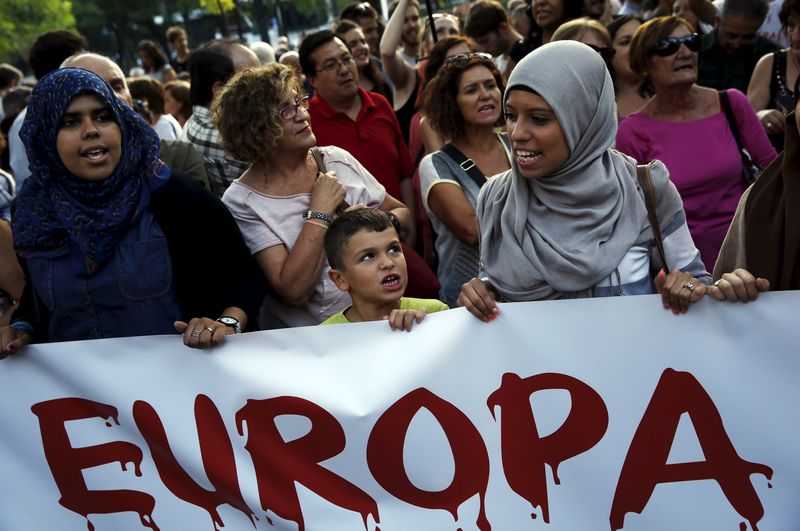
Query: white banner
[(596, 414)]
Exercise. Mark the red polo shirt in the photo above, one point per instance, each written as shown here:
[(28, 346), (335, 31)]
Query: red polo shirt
[(374, 138)]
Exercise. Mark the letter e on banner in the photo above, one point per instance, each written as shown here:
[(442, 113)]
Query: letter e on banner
[(385, 455), (524, 452), (646, 465), (66, 462), (278, 464), (216, 451)]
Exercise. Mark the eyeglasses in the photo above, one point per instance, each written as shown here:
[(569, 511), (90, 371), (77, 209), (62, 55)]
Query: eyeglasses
[(464, 58), (290, 111), (605, 52), (670, 45), (335, 65)]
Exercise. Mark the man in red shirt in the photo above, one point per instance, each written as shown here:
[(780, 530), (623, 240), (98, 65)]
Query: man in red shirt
[(360, 122)]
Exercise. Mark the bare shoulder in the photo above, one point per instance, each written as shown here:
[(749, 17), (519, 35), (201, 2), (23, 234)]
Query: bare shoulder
[(765, 63)]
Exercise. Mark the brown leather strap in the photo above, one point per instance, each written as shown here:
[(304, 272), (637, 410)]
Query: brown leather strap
[(318, 158), (317, 154), (646, 182)]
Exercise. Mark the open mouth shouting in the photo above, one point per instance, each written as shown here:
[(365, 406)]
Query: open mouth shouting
[(392, 282), (528, 159)]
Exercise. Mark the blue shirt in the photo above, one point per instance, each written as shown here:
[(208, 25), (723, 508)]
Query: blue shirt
[(133, 294)]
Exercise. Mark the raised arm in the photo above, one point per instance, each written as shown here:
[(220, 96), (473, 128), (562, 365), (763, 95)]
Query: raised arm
[(758, 95), (400, 73)]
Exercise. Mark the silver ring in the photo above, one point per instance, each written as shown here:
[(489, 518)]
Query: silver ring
[(196, 333), (717, 282), (209, 329), (689, 285), (769, 125)]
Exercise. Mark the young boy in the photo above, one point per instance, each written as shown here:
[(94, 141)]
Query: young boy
[(367, 261)]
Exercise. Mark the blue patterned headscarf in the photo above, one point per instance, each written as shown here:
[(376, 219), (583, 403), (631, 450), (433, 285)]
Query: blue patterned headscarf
[(54, 207)]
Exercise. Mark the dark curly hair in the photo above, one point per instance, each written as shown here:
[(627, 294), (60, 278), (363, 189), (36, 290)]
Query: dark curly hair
[(441, 108), (155, 54), (247, 111)]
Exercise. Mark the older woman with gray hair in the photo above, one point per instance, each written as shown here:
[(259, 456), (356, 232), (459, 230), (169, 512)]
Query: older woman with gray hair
[(569, 219)]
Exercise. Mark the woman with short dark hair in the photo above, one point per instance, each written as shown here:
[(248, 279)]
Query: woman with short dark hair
[(155, 62)]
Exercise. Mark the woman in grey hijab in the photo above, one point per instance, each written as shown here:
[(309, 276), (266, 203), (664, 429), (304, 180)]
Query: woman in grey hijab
[(569, 220)]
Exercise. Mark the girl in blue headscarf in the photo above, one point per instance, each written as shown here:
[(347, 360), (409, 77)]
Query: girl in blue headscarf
[(111, 243)]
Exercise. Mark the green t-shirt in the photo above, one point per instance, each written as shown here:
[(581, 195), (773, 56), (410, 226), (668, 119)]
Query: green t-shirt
[(406, 303)]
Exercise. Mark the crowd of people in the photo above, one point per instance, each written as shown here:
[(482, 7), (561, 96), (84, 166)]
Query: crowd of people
[(385, 169)]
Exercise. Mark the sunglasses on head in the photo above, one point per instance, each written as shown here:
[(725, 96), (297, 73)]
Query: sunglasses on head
[(363, 9), (463, 58), (670, 45)]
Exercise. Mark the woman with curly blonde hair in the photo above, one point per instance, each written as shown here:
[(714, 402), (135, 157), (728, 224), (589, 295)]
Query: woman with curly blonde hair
[(285, 201)]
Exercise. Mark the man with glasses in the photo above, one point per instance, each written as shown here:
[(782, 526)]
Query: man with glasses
[(347, 116), (728, 54), (363, 14)]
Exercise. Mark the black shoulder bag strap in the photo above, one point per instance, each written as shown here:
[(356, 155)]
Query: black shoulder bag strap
[(726, 107), (646, 183), (468, 165), (749, 165)]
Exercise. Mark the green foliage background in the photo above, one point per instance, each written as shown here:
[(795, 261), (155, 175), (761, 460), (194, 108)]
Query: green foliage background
[(22, 20), (113, 27)]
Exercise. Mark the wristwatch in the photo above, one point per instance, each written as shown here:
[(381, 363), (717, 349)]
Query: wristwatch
[(313, 214), (231, 322), (395, 221)]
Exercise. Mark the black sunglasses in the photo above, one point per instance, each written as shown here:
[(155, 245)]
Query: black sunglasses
[(670, 45), (605, 52)]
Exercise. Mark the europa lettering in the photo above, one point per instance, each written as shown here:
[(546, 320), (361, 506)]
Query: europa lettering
[(280, 465)]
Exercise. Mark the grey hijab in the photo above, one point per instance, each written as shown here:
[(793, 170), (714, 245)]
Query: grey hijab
[(560, 235)]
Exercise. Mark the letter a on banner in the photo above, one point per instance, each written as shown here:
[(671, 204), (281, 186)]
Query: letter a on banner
[(646, 463)]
